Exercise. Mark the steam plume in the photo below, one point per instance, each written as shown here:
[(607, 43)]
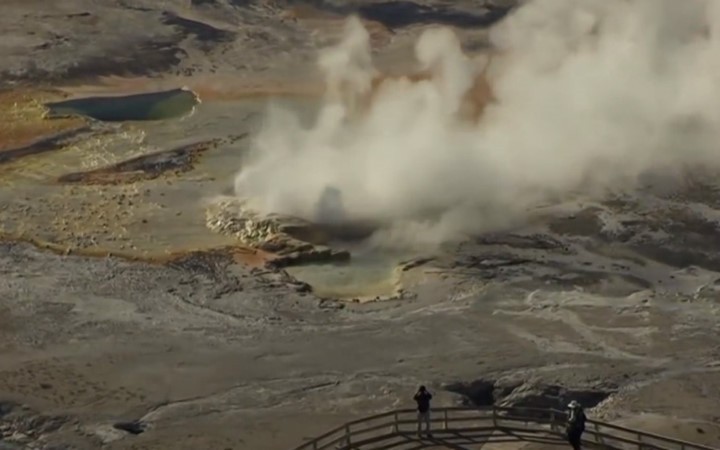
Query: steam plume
[(589, 95)]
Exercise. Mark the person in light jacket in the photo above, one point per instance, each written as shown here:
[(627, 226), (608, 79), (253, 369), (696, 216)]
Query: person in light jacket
[(575, 424)]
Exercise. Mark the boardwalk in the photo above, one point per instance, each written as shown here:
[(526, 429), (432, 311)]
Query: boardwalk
[(473, 428)]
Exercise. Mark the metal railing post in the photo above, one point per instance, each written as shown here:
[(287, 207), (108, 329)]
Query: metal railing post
[(552, 420), (314, 444), (494, 416), (395, 427), (347, 435), (445, 419)]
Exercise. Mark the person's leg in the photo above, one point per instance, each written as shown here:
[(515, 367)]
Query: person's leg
[(419, 422), (575, 440), (427, 423)]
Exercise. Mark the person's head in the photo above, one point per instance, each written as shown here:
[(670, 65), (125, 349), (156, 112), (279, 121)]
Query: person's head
[(574, 405), (421, 389)]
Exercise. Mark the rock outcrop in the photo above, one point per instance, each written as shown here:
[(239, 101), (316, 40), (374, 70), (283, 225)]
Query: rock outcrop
[(22, 427), (290, 240), (512, 393)]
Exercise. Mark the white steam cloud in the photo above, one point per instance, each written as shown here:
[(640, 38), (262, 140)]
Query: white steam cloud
[(588, 95)]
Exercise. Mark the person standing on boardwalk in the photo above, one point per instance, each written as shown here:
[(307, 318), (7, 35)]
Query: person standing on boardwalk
[(575, 424), (422, 398)]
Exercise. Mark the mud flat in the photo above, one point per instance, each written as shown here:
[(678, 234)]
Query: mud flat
[(249, 346)]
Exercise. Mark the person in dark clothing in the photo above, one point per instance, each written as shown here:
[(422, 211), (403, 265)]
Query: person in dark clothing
[(422, 398), (575, 424)]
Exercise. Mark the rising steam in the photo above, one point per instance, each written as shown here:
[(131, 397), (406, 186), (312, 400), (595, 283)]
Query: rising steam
[(589, 95)]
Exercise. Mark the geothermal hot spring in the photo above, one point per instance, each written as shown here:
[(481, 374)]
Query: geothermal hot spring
[(575, 100), (572, 100)]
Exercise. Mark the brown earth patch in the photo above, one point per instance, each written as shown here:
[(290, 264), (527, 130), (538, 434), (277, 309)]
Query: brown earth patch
[(23, 122), (147, 167), (331, 25), (208, 88), (250, 257), (46, 144)]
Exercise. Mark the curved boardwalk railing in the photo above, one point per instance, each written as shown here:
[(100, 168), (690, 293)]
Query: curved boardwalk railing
[(464, 428)]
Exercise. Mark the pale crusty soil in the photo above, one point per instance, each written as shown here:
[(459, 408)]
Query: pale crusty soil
[(210, 359)]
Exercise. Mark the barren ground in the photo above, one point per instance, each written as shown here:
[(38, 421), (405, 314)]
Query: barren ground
[(118, 304)]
